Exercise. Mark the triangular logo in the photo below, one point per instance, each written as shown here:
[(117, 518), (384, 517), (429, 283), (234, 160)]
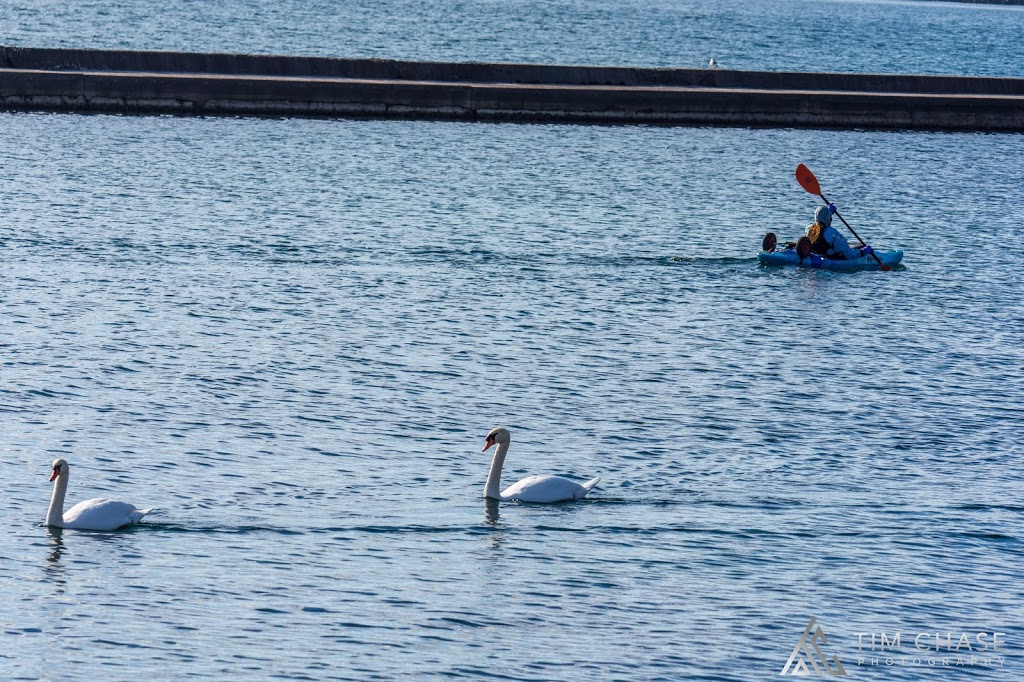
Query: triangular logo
[(807, 657)]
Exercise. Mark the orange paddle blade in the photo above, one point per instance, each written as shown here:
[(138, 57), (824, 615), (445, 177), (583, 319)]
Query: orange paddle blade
[(807, 180)]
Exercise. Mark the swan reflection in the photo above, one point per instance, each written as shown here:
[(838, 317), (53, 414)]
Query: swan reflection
[(54, 567), (491, 513)]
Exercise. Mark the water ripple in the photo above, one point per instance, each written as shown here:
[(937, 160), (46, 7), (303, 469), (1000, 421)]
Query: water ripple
[(292, 337)]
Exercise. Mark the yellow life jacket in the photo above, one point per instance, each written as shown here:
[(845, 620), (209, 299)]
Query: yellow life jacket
[(816, 233)]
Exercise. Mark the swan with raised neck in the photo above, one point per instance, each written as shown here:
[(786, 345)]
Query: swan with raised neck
[(95, 514), (537, 489)]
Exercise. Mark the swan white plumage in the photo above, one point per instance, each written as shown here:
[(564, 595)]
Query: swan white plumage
[(95, 514), (537, 489)]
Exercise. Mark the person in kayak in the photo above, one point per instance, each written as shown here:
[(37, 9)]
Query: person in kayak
[(826, 240)]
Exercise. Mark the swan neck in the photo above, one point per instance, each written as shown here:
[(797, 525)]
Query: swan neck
[(493, 489), (55, 515)]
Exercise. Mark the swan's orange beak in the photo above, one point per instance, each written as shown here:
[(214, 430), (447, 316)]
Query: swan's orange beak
[(490, 442), (55, 474)]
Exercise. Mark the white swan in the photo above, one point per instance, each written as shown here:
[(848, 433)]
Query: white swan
[(538, 489), (96, 514)]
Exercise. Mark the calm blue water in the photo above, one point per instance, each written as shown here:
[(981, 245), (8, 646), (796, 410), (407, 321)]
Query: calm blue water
[(292, 336), (776, 35)]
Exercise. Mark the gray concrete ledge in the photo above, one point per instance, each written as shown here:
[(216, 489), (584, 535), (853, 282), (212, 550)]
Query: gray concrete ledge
[(132, 82)]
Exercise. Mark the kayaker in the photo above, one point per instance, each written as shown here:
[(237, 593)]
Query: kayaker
[(826, 240)]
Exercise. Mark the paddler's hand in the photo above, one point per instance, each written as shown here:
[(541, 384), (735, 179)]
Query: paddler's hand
[(832, 209), (866, 251)]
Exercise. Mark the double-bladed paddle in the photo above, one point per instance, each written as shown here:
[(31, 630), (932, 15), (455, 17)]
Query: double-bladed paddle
[(810, 183)]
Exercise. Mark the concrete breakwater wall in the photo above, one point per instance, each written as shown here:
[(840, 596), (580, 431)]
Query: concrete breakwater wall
[(140, 82)]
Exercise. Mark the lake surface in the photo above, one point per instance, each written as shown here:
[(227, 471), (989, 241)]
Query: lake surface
[(292, 336), (773, 35)]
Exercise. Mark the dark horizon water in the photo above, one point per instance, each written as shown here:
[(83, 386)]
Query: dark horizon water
[(865, 36)]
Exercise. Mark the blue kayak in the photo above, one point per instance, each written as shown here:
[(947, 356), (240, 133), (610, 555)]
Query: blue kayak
[(789, 257)]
